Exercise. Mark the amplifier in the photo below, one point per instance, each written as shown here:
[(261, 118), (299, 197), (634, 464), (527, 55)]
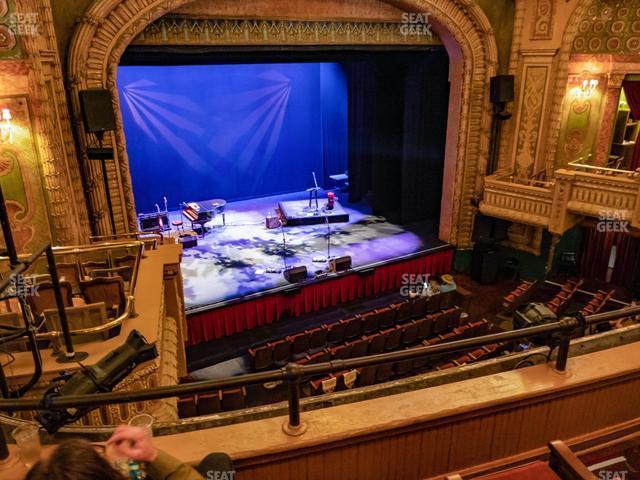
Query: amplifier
[(272, 222), (151, 221), (295, 274), (188, 241), (340, 264)]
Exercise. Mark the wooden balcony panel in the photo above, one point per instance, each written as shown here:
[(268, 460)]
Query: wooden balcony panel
[(517, 202)]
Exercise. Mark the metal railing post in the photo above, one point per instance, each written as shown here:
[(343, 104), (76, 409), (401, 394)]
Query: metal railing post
[(293, 426), (4, 449), (4, 386), (69, 355), (6, 232), (568, 327)]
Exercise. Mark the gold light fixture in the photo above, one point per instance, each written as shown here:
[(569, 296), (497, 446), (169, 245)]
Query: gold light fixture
[(6, 128), (587, 85)]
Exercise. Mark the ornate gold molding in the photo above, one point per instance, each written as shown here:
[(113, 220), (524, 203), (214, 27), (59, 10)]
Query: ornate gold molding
[(530, 119), (173, 30), (60, 176), (561, 79), (605, 132), (542, 28), (109, 26)]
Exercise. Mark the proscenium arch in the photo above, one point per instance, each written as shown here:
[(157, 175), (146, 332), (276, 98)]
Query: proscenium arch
[(109, 26)]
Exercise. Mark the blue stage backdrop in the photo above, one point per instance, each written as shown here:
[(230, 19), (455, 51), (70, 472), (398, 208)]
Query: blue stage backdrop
[(232, 131)]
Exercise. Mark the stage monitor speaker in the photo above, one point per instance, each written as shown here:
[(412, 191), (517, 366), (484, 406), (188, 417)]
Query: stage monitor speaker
[(97, 110), (484, 264), (340, 264), (295, 274), (502, 89), (188, 240)]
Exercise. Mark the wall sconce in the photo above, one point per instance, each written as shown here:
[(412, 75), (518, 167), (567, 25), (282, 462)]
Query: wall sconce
[(6, 129), (587, 85)]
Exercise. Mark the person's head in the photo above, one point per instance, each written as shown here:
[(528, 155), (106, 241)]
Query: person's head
[(74, 460)]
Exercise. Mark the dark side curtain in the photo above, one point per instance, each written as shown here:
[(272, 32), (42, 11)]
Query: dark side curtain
[(397, 131), (596, 250), (632, 92)]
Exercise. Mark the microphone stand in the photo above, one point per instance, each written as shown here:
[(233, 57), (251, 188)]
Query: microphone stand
[(284, 246), (326, 219)]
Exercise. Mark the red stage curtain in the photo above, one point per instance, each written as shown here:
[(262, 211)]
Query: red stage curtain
[(224, 321), (632, 92), (595, 256)]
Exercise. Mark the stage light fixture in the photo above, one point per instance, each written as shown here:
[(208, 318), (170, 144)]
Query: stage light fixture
[(101, 377)]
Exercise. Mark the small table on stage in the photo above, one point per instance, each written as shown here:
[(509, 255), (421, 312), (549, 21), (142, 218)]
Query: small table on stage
[(199, 213), (341, 177)]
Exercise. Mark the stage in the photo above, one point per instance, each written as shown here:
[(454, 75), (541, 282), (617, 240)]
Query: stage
[(257, 129), (231, 261)]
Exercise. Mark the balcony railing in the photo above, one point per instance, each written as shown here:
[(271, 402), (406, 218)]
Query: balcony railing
[(528, 202), (579, 190)]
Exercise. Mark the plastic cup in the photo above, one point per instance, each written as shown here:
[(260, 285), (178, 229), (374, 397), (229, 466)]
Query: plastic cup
[(27, 438), (144, 420)]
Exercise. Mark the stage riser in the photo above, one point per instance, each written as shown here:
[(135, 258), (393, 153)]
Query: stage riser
[(350, 286)]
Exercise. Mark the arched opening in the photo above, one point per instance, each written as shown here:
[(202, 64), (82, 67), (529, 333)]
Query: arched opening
[(110, 25)]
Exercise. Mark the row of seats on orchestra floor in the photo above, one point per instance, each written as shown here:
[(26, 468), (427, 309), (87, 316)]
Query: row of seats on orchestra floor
[(404, 324)]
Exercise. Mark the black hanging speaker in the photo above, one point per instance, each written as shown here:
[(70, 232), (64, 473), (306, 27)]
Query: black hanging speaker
[(340, 264), (97, 110), (295, 274), (502, 89)]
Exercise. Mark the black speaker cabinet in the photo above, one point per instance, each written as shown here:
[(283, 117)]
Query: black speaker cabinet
[(151, 221), (340, 264), (188, 241), (502, 89), (484, 264), (97, 110), (295, 274)]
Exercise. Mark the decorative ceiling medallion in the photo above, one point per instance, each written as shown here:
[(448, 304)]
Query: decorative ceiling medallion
[(633, 43), (7, 38), (609, 27), (613, 43), (617, 26)]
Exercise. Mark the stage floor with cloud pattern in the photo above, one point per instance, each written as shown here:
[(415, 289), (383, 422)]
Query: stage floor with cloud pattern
[(232, 261)]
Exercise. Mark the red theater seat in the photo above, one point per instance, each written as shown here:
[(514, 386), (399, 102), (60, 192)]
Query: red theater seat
[(358, 348), (261, 357), (376, 343), (317, 338), (281, 351), (370, 322), (403, 311), (353, 327), (299, 343), (392, 340), (386, 317), (335, 332), (425, 327)]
